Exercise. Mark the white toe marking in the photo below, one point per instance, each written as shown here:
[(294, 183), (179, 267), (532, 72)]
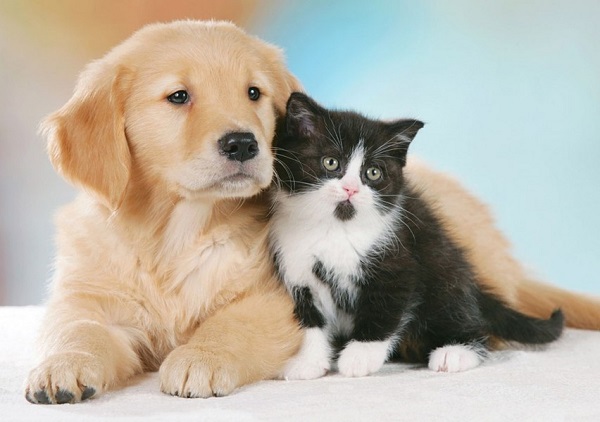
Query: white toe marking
[(359, 359), (312, 361), (454, 358)]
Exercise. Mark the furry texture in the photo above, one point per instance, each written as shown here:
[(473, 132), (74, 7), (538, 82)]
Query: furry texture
[(161, 260), (381, 277), (550, 385), (471, 225), (139, 250)]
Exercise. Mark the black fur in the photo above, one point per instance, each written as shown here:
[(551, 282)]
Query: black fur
[(345, 211), (305, 310), (340, 296), (421, 288)]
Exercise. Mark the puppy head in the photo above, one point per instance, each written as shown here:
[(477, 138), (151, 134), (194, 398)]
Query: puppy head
[(188, 105)]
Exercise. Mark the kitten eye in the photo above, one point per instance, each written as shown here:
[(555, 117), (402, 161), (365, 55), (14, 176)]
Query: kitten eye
[(253, 93), (331, 164), (179, 97), (373, 174)]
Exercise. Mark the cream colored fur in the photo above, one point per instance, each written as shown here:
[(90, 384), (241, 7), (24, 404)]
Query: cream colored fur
[(470, 223), (162, 259)]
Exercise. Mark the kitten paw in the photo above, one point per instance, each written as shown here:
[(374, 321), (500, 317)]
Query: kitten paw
[(454, 358), (359, 359), (312, 361)]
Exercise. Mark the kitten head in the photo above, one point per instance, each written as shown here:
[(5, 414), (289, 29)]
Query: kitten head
[(346, 163)]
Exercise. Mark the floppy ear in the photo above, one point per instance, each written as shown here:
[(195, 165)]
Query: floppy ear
[(291, 84), (284, 81), (86, 137)]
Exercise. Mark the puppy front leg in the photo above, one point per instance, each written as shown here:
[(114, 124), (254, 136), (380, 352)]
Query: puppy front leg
[(83, 356), (246, 341)]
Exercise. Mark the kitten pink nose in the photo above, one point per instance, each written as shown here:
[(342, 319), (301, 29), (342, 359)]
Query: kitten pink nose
[(350, 190)]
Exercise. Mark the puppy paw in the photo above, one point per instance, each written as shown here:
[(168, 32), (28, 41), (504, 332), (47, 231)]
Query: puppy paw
[(313, 359), (192, 372), (454, 358), (66, 378), (359, 359)]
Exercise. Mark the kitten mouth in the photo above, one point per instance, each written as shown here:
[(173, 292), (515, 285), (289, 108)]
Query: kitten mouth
[(344, 211)]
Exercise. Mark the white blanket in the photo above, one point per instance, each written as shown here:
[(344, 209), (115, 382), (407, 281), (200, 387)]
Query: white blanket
[(559, 383)]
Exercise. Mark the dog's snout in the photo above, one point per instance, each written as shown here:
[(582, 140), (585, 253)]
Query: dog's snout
[(239, 146)]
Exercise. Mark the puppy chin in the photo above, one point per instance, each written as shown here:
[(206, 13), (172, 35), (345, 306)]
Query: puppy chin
[(221, 179), (235, 186)]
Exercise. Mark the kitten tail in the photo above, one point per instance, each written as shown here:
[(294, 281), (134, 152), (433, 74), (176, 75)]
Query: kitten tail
[(509, 324)]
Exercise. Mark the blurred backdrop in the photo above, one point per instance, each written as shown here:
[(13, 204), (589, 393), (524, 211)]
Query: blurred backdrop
[(510, 91)]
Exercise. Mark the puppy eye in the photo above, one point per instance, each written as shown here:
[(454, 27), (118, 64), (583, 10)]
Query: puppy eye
[(253, 93), (373, 174), (331, 164), (179, 97)]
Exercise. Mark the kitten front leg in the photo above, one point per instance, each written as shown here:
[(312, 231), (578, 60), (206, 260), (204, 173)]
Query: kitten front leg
[(313, 359), (362, 358), (377, 327)]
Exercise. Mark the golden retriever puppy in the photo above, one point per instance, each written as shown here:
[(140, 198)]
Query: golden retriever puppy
[(162, 260)]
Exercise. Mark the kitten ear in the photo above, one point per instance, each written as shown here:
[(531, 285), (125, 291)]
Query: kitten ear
[(302, 115), (403, 131)]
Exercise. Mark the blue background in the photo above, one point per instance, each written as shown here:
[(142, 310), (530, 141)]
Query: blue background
[(510, 92), (509, 89)]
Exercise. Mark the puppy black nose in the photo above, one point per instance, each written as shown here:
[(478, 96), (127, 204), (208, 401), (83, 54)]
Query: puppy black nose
[(239, 146)]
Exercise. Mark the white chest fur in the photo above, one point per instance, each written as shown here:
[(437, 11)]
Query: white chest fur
[(305, 230)]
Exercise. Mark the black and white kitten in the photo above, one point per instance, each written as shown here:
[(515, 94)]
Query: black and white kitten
[(372, 272)]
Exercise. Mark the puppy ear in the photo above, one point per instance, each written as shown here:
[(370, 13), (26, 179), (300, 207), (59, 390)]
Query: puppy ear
[(86, 137), (284, 81), (292, 84)]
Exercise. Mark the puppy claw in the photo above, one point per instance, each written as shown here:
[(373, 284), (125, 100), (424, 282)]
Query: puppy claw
[(88, 392), (64, 396), (202, 374), (40, 397), (65, 378)]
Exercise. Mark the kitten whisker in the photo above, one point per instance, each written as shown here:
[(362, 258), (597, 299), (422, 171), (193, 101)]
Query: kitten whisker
[(409, 229), (334, 137), (393, 229), (413, 215), (302, 165), (285, 167), (382, 264), (391, 145)]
